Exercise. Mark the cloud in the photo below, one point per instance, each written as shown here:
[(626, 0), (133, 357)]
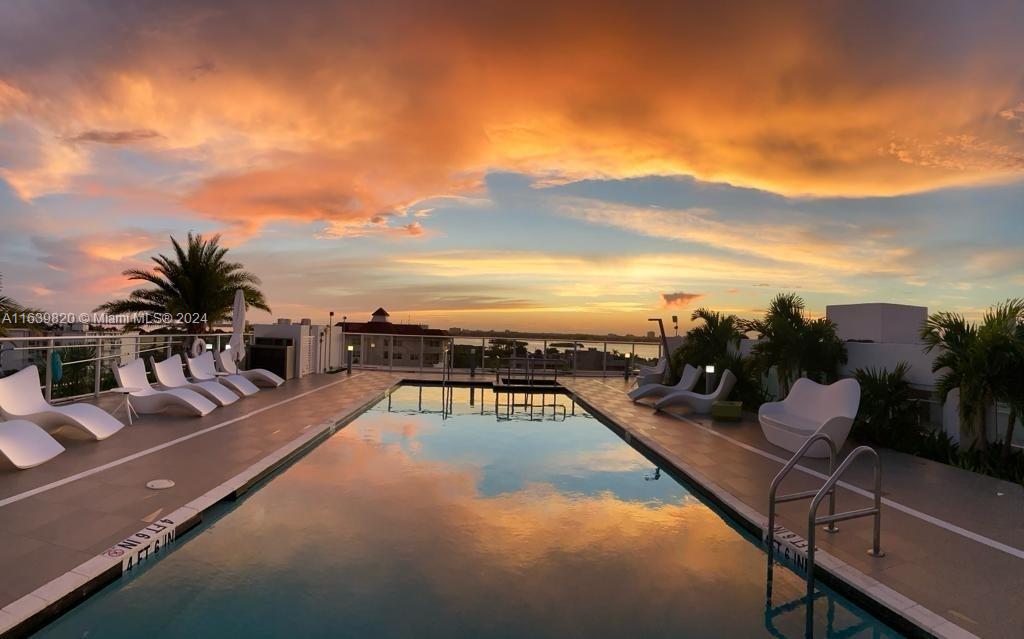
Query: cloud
[(359, 111), (795, 238), (680, 299), (114, 137)]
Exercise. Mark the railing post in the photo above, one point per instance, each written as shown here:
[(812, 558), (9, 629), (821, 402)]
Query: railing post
[(574, 358), (604, 361), (97, 368), (391, 352), (421, 353), (49, 370), (483, 353)]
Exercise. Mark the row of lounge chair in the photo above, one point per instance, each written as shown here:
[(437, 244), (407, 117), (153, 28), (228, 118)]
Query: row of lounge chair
[(682, 393), (25, 438), (809, 407)]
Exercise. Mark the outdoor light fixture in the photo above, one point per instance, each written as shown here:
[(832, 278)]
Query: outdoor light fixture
[(709, 374), (348, 358), (709, 369)]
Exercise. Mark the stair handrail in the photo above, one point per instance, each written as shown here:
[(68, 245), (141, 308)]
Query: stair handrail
[(812, 512), (769, 537)]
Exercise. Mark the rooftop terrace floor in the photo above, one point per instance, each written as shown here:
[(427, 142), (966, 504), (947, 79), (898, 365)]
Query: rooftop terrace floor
[(954, 539)]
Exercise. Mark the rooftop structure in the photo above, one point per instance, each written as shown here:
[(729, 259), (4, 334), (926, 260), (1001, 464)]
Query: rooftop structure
[(878, 322)]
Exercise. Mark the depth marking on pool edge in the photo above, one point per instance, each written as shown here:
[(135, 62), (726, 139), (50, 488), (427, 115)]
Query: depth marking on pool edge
[(142, 453), (935, 521)]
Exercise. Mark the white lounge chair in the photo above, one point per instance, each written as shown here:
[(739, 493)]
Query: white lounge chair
[(258, 376), (26, 445), (21, 398), (204, 370), (686, 382), (646, 375), (149, 400), (170, 375), (699, 402), (809, 408)]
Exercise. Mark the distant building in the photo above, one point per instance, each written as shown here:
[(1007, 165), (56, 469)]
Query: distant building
[(878, 322), (380, 342), (650, 335)]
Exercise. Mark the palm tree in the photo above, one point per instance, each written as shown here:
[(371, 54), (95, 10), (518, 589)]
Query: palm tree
[(712, 339), (196, 282), (794, 344), (1001, 337), (11, 312), (963, 359)]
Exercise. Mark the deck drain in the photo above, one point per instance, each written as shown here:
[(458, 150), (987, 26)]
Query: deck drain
[(159, 484)]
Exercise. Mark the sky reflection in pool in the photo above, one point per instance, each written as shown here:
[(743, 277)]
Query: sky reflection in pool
[(415, 521)]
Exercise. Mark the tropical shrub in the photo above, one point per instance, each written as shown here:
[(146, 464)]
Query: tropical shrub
[(886, 416), (795, 345), (985, 362)]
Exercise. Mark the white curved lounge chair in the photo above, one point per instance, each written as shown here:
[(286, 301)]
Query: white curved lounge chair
[(699, 402), (647, 375), (258, 376), (170, 375), (149, 400), (26, 445), (204, 370), (20, 398), (686, 383), (811, 407)]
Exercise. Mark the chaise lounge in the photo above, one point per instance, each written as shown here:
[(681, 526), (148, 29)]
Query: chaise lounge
[(646, 375), (204, 370), (148, 400), (258, 376), (21, 398), (170, 375), (26, 445), (810, 408), (699, 402), (686, 383)]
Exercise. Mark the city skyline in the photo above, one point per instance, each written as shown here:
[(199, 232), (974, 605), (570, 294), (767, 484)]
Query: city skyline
[(578, 167)]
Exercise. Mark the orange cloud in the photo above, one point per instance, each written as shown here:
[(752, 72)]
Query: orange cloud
[(353, 113)]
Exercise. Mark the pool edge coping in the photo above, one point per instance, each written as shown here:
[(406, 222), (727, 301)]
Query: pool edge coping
[(899, 611), (34, 611)]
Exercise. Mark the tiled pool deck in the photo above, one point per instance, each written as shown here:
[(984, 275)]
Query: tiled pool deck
[(66, 514), (955, 540)]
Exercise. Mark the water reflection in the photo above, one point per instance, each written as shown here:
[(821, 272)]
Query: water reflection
[(456, 524)]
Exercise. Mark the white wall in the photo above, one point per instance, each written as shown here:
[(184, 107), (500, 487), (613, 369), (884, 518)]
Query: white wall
[(878, 322)]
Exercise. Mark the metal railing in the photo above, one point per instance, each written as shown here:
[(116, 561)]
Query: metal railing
[(423, 353), (807, 494), (90, 366), (812, 513), (817, 496)]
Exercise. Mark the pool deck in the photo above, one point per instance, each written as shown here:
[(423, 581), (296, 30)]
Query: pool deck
[(61, 523), (954, 540)]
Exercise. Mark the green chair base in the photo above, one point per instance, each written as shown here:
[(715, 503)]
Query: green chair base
[(727, 411)]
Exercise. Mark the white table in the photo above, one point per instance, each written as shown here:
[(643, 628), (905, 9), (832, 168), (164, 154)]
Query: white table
[(129, 410)]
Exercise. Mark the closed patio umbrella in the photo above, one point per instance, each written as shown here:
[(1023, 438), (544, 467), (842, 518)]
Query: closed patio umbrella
[(237, 327)]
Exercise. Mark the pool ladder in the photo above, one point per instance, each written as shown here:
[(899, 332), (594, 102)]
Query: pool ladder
[(816, 497)]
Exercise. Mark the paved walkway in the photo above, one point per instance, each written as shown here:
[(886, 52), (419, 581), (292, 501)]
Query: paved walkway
[(954, 539), (63, 513)]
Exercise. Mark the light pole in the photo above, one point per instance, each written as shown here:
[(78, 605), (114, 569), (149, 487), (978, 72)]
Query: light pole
[(709, 375), (330, 329), (348, 358)]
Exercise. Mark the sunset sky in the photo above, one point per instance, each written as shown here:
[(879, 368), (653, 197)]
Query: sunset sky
[(525, 165)]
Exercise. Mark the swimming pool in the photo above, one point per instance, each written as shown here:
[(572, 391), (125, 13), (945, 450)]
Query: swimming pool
[(458, 513)]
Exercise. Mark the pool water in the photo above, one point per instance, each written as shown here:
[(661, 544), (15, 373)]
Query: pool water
[(453, 513)]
